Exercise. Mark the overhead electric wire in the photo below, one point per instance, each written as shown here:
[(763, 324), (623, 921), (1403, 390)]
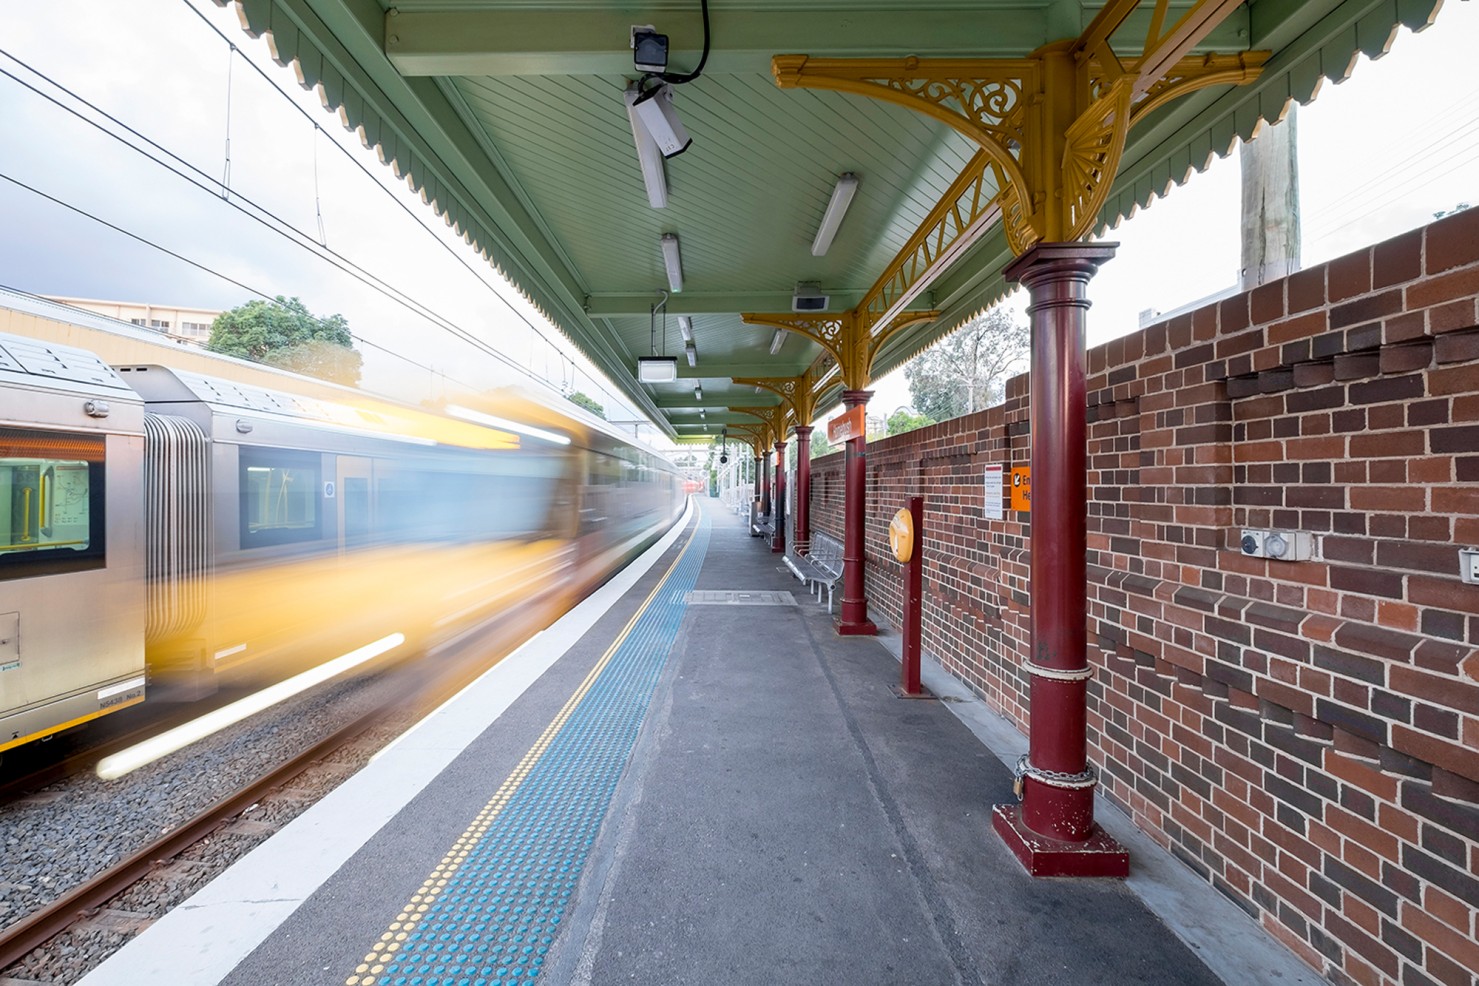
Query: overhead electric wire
[(199, 266), (235, 201), (453, 252)]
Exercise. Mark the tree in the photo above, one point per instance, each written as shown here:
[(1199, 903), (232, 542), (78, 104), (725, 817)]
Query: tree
[(287, 335), (820, 445), (968, 371), (904, 420), (580, 399)]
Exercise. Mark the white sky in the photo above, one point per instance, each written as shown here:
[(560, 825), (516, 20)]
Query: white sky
[(1379, 154)]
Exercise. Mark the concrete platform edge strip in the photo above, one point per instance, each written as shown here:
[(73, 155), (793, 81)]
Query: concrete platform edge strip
[(1229, 942), (207, 936)]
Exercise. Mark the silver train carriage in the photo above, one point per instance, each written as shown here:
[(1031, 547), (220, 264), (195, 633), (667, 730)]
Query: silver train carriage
[(185, 528)]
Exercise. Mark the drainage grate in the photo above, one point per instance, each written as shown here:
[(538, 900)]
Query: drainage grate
[(735, 597)]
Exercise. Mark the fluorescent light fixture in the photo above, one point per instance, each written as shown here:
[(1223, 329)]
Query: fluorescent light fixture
[(654, 111), (698, 391), (847, 187), (777, 341), (672, 260), (171, 740), (657, 369), (648, 156), (685, 326), (691, 351), (489, 421)]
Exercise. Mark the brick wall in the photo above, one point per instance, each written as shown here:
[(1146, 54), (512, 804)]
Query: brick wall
[(1304, 735)]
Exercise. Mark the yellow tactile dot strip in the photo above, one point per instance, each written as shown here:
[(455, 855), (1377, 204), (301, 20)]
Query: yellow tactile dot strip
[(406, 923)]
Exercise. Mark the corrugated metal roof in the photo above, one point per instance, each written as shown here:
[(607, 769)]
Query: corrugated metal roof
[(509, 119)]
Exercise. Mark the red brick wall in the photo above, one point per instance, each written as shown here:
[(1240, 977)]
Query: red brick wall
[(1303, 735)]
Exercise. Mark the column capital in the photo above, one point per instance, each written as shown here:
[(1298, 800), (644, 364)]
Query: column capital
[(779, 446), (856, 398), (803, 431), (1049, 259)]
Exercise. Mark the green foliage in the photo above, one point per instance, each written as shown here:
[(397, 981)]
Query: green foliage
[(582, 400), (968, 371), (287, 335), (820, 446), (904, 420)]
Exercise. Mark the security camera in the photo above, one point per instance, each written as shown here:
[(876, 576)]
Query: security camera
[(723, 460), (654, 109)]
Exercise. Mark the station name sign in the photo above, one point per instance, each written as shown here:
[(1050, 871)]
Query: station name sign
[(848, 425)]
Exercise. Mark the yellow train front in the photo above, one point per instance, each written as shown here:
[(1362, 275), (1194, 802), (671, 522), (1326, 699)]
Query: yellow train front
[(276, 529)]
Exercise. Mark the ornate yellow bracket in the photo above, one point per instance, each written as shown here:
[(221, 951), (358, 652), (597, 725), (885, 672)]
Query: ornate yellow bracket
[(797, 394), (848, 337), (1052, 126)]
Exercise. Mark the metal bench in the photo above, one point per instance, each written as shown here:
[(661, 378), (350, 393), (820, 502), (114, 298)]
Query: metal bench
[(821, 569)]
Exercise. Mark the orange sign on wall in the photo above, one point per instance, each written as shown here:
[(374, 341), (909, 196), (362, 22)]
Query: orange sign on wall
[(849, 424), (1022, 488)]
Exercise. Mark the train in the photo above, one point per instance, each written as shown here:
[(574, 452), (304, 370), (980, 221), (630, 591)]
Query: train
[(165, 529)]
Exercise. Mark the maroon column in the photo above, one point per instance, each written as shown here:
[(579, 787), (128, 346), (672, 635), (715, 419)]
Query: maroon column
[(764, 486), (1053, 831), (756, 502), (778, 518), (853, 620), (802, 539)]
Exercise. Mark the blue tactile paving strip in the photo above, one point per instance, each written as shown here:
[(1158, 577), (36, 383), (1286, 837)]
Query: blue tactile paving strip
[(488, 913)]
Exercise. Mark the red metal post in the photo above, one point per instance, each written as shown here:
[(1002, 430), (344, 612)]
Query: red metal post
[(853, 620), (913, 603), (755, 504), (802, 540), (778, 541), (1053, 831), (764, 486)]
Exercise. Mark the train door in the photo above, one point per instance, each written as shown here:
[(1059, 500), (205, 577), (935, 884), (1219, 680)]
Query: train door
[(356, 501)]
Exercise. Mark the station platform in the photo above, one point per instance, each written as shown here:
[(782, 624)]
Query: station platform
[(691, 778)]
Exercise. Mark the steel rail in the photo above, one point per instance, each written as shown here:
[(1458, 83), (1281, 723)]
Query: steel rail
[(84, 901)]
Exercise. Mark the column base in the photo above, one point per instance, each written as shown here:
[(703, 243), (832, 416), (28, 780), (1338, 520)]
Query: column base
[(1098, 855), (864, 629), (923, 692)]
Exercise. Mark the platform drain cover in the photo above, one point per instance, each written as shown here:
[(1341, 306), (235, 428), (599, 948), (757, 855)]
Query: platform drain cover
[(736, 597)]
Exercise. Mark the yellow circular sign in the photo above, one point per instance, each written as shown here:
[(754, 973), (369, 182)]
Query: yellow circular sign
[(901, 535)]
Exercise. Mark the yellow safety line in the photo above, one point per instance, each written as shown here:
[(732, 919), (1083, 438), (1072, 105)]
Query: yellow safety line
[(53, 730), (405, 923)]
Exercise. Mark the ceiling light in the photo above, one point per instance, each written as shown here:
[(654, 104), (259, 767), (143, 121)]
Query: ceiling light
[(691, 351), (685, 326), (847, 186), (673, 261), (698, 391), (654, 109), (777, 341), (657, 369), (648, 156)]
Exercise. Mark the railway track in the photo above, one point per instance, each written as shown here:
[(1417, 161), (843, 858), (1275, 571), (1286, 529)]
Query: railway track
[(46, 942)]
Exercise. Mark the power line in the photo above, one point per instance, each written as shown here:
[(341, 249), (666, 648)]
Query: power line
[(196, 264), (302, 239), (454, 253)]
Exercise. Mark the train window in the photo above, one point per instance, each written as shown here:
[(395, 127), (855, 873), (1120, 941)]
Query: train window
[(279, 497), (51, 503)]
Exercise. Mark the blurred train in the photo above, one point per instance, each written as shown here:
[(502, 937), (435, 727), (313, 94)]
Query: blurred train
[(162, 530)]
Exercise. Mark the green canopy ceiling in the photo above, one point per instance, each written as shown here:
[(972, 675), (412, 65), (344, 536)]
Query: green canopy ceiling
[(508, 117)]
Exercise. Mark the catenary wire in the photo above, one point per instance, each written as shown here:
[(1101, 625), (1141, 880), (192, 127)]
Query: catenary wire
[(199, 266), (453, 252)]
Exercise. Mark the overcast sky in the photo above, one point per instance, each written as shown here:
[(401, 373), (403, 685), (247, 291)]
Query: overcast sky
[(1378, 155)]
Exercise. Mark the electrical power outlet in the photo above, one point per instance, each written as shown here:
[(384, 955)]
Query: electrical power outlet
[(1468, 565)]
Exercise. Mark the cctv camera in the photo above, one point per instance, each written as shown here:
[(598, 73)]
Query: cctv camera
[(654, 109), (723, 459)]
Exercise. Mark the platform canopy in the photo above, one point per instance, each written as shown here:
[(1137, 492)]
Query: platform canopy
[(509, 117)]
